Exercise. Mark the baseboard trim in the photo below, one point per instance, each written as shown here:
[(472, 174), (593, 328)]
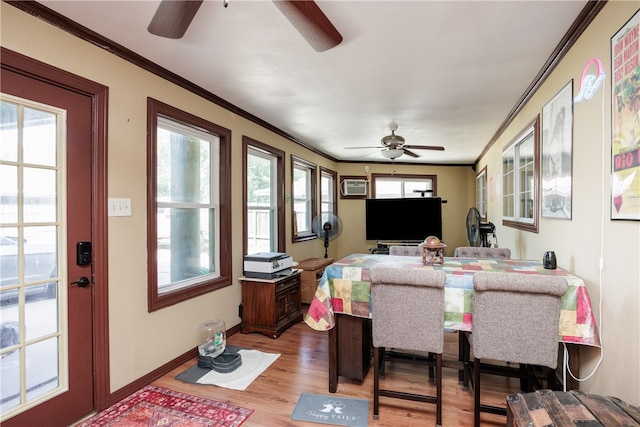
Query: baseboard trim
[(147, 379)]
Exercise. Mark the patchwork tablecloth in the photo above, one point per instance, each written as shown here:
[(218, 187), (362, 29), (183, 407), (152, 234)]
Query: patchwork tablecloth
[(345, 288)]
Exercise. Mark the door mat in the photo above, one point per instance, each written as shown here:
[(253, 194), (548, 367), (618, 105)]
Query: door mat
[(156, 406), (333, 410), (254, 363)]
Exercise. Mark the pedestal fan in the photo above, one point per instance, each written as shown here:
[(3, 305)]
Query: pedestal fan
[(327, 226), (477, 231)]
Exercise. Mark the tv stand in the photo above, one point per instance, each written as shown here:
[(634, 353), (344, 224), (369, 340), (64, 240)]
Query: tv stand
[(382, 248)]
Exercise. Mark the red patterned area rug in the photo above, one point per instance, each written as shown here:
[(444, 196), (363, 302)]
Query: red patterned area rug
[(157, 406)]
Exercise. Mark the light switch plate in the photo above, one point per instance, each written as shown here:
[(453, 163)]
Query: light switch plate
[(119, 207)]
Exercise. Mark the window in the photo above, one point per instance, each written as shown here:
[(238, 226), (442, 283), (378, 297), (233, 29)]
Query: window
[(481, 193), (303, 189), (189, 216), (264, 197), (403, 186), (328, 191), (33, 259), (520, 171)]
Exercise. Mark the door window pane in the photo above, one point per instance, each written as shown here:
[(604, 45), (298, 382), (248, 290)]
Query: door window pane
[(30, 230), (40, 254), (8, 193), (9, 140), (39, 191), (41, 368), (39, 137), (43, 318)]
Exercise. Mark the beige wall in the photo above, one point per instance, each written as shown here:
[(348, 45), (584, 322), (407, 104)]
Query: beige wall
[(141, 342), (579, 243)]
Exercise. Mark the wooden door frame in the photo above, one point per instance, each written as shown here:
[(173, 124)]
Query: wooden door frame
[(98, 93)]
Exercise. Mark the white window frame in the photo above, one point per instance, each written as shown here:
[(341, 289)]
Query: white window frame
[(168, 124), (328, 191), (481, 193), (403, 181), (253, 148), (307, 197), (520, 179)]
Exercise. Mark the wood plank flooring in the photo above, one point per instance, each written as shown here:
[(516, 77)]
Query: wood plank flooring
[(303, 368)]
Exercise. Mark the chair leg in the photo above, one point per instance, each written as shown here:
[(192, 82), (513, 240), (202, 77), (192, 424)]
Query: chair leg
[(476, 392), (524, 378), (431, 369), (466, 355), (461, 339), (439, 389), (551, 379), (376, 380)]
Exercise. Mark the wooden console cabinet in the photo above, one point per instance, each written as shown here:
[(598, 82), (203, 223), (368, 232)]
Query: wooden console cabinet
[(350, 349), (312, 270), (270, 306)]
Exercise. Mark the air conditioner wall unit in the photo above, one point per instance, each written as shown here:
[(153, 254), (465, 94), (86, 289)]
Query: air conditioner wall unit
[(354, 187)]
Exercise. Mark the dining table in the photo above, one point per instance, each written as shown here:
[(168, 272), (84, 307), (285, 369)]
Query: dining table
[(343, 300)]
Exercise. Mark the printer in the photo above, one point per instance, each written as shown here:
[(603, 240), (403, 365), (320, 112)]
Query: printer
[(267, 265)]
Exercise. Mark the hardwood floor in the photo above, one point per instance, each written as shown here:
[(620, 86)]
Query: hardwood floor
[(303, 368)]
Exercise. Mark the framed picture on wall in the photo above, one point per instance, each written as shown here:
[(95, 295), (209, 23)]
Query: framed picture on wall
[(557, 146), (625, 141)]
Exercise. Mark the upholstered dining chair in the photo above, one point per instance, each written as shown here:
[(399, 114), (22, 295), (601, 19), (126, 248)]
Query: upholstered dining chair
[(407, 315), (405, 250), (482, 252), (515, 319), (477, 252)]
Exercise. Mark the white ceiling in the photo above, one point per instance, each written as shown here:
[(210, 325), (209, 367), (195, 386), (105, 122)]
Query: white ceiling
[(448, 72)]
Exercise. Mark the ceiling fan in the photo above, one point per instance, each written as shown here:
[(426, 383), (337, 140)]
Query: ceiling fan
[(173, 17), (393, 146)]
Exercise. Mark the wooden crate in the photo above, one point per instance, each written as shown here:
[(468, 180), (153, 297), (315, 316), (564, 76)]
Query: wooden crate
[(571, 408), (312, 270)]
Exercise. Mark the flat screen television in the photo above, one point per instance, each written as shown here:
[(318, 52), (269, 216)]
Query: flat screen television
[(400, 220)]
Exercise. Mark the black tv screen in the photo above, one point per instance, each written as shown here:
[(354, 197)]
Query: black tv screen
[(399, 220)]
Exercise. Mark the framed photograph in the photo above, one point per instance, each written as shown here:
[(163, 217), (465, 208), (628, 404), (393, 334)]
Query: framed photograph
[(625, 126), (557, 146)]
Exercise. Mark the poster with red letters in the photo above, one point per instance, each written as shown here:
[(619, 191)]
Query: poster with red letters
[(625, 85)]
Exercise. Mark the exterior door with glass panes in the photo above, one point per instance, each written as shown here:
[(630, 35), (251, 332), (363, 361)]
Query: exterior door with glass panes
[(46, 282)]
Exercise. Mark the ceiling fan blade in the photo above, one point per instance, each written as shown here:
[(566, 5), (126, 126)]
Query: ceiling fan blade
[(355, 148), (172, 18), (410, 153), (311, 23), (424, 147)]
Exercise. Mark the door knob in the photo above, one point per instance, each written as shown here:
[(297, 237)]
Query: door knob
[(82, 282)]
